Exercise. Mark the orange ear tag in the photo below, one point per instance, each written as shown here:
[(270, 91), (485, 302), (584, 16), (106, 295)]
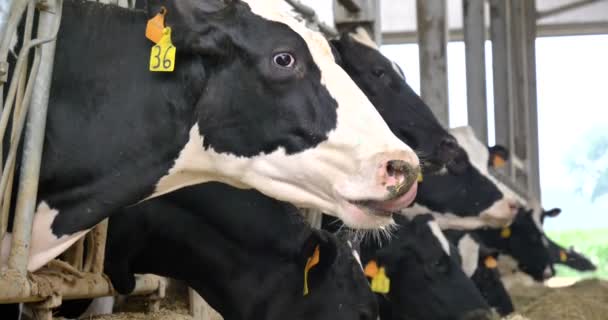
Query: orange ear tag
[(371, 269), (311, 262), (563, 256), (155, 26), (490, 262), (498, 162)]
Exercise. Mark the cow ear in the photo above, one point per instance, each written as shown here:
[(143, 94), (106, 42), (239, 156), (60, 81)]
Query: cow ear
[(318, 254), (499, 156), (552, 213), (196, 26)]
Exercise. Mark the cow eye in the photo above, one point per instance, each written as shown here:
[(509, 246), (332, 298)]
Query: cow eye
[(284, 59)]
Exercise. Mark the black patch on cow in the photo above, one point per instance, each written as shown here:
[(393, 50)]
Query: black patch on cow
[(407, 115), (245, 255)]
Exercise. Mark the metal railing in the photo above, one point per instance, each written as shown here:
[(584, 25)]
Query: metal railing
[(27, 99)]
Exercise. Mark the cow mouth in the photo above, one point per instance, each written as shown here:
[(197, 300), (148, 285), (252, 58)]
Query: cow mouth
[(385, 208)]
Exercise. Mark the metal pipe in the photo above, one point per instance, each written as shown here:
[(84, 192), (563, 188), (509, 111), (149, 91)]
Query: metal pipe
[(564, 8), (99, 237), (17, 289), (475, 58), (432, 40), (350, 5), (34, 138)]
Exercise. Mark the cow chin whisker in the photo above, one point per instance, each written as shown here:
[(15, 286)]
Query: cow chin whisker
[(377, 235)]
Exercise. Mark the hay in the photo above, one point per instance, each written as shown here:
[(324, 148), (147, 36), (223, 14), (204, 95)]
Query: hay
[(585, 300)]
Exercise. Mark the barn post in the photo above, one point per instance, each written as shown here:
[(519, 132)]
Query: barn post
[(474, 41), (533, 147), (499, 32), (432, 42)]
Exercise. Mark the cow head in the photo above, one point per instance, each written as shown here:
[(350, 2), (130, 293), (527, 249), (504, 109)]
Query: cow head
[(406, 114), (336, 283), (525, 242), (488, 281), (276, 113), (466, 189), (426, 281), (560, 255)]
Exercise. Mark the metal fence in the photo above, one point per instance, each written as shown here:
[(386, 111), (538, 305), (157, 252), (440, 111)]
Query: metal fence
[(26, 98)]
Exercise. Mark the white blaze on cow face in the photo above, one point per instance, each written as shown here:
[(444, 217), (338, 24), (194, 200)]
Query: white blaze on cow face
[(334, 175), (469, 252), (445, 245), (45, 246)]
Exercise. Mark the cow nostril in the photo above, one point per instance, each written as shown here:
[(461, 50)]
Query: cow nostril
[(449, 143), (396, 167)]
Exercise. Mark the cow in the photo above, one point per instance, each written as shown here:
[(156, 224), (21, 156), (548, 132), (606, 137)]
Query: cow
[(246, 266), (426, 279), (383, 81), (453, 184), (467, 196), (256, 104), (480, 264), (560, 255)]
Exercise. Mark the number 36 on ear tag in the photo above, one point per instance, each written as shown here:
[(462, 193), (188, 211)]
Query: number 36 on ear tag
[(162, 55)]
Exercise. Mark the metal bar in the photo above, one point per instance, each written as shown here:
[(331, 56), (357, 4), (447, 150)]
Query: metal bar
[(100, 232), (48, 25), (533, 144), (350, 5), (19, 289), (474, 41), (500, 67), (432, 40), (563, 8), (518, 80)]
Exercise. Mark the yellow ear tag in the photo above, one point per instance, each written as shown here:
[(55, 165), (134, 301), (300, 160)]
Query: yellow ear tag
[(155, 26), (311, 262), (563, 256), (505, 232), (490, 262), (419, 177), (498, 162), (371, 269), (162, 55), (381, 283)]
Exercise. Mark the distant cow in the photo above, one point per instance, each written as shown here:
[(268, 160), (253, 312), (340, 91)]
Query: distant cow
[(467, 196), (256, 104), (426, 279)]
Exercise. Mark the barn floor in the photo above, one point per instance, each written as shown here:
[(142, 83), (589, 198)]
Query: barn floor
[(584, 300)]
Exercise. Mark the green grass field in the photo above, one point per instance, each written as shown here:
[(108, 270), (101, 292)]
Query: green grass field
[(592, 243)]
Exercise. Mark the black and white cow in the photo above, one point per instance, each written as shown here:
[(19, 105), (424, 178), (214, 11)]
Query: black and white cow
[(246, 266), (383, 81), (426, 280), (467, 196), (256, 101), (560, 255), (523, 242), (464, 188)]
